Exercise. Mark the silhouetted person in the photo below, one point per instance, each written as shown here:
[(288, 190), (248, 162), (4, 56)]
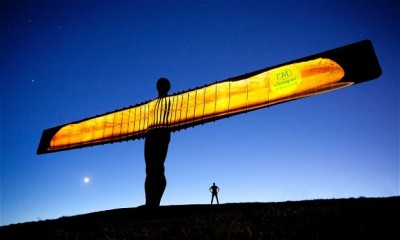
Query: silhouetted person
[(156, 147), (214, 192)]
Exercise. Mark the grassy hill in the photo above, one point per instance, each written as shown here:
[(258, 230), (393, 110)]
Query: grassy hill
[(361, 218)]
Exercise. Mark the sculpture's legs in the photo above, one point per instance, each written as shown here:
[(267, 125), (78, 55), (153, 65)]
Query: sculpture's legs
[(155, 153)]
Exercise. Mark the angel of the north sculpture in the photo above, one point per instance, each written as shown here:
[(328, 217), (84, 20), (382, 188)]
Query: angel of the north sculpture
[(154, 120)]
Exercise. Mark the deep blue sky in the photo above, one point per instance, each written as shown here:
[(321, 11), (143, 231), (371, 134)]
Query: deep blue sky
[(65, 61)]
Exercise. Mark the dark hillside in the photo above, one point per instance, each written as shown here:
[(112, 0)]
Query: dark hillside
[(362, 218)]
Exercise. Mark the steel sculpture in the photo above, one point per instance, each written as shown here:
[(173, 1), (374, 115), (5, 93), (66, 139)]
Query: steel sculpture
[(156, 119)]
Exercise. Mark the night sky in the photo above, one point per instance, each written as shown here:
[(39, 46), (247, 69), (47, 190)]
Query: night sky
[(66, 61)]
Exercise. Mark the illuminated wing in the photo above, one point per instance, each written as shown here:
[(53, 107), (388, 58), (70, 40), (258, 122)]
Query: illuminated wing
[(308, 76)]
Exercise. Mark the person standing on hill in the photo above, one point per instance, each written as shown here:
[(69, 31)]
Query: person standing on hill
[(214, 193)]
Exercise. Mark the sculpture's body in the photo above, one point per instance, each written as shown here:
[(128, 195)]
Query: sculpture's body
[(156, 148)]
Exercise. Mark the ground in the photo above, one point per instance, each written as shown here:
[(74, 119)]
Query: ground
[(354, 218)]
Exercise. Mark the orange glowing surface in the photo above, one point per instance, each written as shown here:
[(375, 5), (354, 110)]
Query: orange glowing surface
[(205, 104)]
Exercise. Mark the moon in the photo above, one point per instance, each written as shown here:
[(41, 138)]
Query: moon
[(86, 180)]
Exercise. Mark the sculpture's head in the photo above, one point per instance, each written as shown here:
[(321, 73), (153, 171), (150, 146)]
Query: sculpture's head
[(163, 86)]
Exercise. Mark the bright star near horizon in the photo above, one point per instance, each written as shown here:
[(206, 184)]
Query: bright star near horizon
[(86, 180)]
